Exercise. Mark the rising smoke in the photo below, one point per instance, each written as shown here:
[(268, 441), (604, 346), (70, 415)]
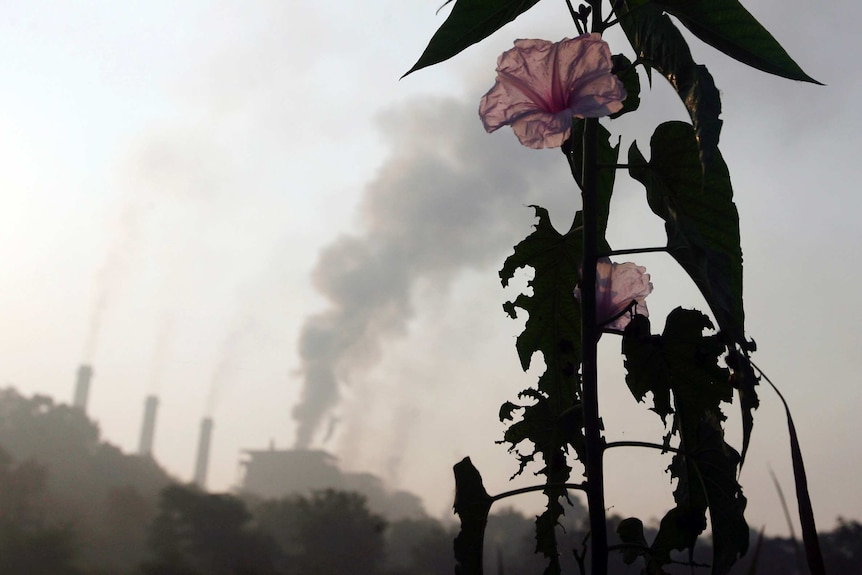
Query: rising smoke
[(110, 275), (444, 201)]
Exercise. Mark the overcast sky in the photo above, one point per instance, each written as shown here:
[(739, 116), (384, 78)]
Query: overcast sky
[(239, 207)]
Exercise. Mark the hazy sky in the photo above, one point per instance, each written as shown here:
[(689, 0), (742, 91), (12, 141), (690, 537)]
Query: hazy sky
[(225, 202)]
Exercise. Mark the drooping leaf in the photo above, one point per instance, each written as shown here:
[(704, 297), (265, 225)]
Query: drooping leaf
[(607, 156), (701, 220), (646, 366), (628, 75), (684, 362), (472, 505), (658, 42), (711, 466), (744, 380), (806, 512), (727, 26), (469, 22)]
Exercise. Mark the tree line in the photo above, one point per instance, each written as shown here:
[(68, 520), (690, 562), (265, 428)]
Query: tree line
[(72, 504)]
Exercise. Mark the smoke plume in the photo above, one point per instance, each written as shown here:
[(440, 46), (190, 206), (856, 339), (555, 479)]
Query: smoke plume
[(446, 199), (110, 275)]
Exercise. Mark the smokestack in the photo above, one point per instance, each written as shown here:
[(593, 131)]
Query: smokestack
[(82, 387), (148, 429), (203, 452)]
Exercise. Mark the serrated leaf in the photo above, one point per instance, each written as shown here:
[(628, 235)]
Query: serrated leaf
[(727, 26), (554, 323), (628, 75), (472, 505), (701, 220), (469, 22), (546, 536), (506, 410), (554, 422), (658, 42)]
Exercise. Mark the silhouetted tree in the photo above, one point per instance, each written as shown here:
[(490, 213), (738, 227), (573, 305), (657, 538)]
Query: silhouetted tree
[(28, 542), (842, 548), (419, 547), (85, 479), (197, 533), (328, 533)]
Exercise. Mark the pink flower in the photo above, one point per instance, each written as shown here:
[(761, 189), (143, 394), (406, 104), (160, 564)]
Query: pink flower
[(621, 291), (542, 85)]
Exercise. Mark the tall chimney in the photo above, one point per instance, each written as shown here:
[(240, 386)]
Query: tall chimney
[(203, 452), (148, 429), (82, 387)]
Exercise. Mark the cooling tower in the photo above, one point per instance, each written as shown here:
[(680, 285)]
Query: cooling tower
[(148, 429), (203, 452), (82, 387)]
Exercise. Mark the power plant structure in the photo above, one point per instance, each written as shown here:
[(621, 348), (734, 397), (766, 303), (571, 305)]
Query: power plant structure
[(82, 387), (148, 428), (80, 398), (202, 461)]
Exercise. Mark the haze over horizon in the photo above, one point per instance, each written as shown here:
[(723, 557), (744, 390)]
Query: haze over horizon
[(241, 209)]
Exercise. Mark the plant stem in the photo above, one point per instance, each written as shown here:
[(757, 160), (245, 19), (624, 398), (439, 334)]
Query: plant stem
[(532, 488), (589, 338), (658, 446), (633, 251)]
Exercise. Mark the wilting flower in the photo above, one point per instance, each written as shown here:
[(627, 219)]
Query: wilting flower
[(541, 85), (621, 291)]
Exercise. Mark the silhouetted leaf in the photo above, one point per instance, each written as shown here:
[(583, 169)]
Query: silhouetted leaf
[(744, 380), (553, 326), (628, 75), (469, 22), (472, 504), (813, 553), (727, 26), (506, 410), (607, 156), (631, 533), (554, 422), (546, 536), (701, 220), (684, 362), (678, 530), (658, 43), (646, 366)]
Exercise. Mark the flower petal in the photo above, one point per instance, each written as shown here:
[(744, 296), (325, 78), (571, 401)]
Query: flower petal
[(541, 85)]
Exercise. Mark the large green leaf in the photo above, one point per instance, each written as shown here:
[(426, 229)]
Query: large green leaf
[(469, 22), (727, 26), (701, 220), (659, 44)]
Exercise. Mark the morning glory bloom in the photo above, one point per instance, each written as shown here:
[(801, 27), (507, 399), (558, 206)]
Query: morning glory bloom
[(542, 85)]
